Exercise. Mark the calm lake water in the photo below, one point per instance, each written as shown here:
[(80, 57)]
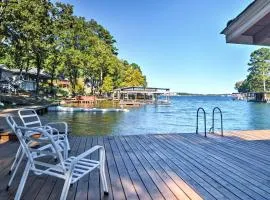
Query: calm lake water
[(179, 117)]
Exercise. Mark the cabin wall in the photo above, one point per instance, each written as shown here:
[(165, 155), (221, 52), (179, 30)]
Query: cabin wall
[(28, 85), (5, 75)]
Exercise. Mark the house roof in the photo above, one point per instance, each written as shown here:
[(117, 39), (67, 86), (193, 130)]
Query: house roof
[(232, 21), (251, 26), (32, 71)]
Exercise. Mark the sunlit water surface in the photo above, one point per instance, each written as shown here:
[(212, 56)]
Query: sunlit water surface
[(178, 117)]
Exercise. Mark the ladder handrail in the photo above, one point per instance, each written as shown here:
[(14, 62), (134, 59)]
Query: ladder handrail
[(197, 123), (213, 120)]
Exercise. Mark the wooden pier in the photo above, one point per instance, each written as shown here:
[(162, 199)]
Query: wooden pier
[(162, 166)]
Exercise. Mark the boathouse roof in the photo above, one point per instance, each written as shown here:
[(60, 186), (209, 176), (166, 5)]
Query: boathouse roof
[(142, 90)]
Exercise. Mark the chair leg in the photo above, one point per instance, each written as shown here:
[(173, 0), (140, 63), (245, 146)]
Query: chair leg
[(65, 148), (15, 171), (66, 188), (102, 171), (66, 139), (15, 160), (22, 182)]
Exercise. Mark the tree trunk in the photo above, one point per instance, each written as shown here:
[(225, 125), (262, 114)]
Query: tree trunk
[(52, 78), (26, 68), (92, 86), (73, 80), (38, 61)]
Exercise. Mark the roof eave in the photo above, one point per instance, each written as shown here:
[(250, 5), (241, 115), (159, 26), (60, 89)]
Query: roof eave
[(247, 18)]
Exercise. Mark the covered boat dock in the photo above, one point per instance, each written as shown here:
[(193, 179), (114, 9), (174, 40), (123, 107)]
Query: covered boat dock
[(141, 95)]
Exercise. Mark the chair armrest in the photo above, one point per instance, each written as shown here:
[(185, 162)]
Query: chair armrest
[(43, 131), (53, 131), (87, 153), (60, 123)]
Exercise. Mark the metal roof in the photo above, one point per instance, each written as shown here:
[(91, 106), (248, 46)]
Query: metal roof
[(150, 89), (30, 71)]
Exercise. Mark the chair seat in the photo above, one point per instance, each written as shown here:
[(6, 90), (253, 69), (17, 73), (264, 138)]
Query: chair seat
[(83, 167)]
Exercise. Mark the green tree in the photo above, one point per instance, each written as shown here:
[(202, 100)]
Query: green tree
[(104, 35), (107, 85), (258, 78), (242, 86), (133, 77), (55, 40), (259, 70), (38, 31), (15, 49)]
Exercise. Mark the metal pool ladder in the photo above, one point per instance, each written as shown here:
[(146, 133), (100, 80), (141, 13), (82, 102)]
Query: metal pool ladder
[(212, 129), (197, 123)]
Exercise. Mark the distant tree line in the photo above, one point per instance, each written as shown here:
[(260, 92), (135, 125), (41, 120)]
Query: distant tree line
[(258, 75), (48, 36)]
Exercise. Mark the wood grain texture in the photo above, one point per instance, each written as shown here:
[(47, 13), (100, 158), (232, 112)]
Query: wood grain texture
[(160, 166)]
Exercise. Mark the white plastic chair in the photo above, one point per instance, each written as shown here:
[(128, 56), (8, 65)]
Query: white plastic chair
[(71, 169), (20, 154), (31, 119)]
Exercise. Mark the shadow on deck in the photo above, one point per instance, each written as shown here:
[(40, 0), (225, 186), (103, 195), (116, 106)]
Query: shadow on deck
[(164, 166)]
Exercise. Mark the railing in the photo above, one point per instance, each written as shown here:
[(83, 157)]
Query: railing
[(197, 121), (212, 129)]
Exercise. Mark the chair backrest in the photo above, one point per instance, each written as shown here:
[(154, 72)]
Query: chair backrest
[(31, 153), (29, 118)]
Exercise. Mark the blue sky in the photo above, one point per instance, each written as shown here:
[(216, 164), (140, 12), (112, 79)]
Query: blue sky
[(176, 42)]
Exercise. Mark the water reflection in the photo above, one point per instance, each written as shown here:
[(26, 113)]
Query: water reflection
[(84, 123), (259, 115)]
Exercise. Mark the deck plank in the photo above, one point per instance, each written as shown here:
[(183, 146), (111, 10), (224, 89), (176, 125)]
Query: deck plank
[(149, 184), (241, 158), (160, 166), (117, 188), (159, 170), (139, 186), (152, 171), (233, 184), (205, 180), (8, 151), (219, 167), (128, 186), (189, 191)]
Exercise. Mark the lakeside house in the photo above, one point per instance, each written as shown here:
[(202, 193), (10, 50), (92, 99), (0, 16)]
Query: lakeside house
[(13, 79), (63, 83)]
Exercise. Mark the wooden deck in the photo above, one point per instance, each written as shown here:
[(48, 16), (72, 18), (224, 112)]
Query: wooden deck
[(164, 166)]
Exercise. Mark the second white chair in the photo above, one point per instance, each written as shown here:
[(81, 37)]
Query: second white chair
[(20, 154), (31, 119)]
